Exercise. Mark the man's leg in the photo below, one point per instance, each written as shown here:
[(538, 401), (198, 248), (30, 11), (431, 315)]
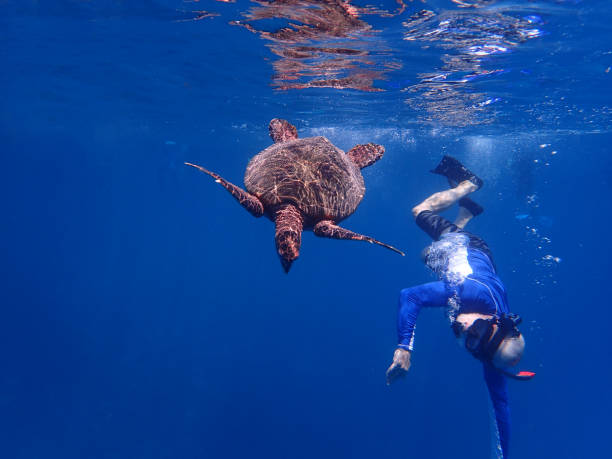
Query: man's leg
[(444, 199), (463, 217)]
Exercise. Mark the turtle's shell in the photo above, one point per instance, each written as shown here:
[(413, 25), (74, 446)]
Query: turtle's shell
[(311, 173)]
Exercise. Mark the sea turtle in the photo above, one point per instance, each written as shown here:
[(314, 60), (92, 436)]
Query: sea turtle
[(304, 184)]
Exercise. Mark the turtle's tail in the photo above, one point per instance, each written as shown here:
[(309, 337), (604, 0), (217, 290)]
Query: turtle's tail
[(289, 225)]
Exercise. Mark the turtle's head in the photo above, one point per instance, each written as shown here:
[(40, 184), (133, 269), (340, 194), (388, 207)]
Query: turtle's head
[(288, 251), (289, 224), (282, 130)]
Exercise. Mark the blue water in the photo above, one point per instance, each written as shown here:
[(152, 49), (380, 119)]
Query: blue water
[(146, 315)]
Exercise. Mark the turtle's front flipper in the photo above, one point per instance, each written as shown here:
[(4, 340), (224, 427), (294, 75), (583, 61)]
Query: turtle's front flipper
[(327, 228), (246, 200)]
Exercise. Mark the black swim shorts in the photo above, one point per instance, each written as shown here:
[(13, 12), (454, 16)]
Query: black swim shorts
[(436, 226)]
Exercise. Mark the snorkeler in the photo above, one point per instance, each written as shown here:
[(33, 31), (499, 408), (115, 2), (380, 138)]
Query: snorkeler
[(470, 288)]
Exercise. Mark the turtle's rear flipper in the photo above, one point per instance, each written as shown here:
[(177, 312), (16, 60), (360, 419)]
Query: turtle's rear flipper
[(282, 130), (327, 228), (246, 200), (365, 155)]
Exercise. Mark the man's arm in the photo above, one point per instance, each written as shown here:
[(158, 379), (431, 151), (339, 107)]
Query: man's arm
[(430, 295), (433, 294), (498, 391), (400, 365)]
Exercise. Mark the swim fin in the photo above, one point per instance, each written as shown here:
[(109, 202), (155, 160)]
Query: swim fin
[(474, 208), (452, 169)]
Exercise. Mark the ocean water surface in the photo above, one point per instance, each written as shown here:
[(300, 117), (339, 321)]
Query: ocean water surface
[(146, 314)]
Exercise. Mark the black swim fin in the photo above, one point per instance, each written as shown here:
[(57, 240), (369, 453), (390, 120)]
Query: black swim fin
[(452, 169), (473, 207)]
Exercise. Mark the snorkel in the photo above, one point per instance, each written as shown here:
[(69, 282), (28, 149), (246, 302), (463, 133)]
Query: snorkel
[(483, 339)]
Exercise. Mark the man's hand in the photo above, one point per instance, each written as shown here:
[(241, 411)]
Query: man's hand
[(400, 365)]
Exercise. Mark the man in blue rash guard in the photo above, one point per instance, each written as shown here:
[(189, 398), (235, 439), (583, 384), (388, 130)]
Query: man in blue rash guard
[(470, 288)]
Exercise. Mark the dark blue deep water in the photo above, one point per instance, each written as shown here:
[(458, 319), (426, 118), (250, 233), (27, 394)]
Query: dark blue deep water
[(146, 315)]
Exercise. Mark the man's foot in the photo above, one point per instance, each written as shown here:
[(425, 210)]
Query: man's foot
[(474, 208), (400, 365), (456, 172)]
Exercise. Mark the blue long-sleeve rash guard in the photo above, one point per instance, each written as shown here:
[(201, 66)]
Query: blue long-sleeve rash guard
[(483, 292)]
